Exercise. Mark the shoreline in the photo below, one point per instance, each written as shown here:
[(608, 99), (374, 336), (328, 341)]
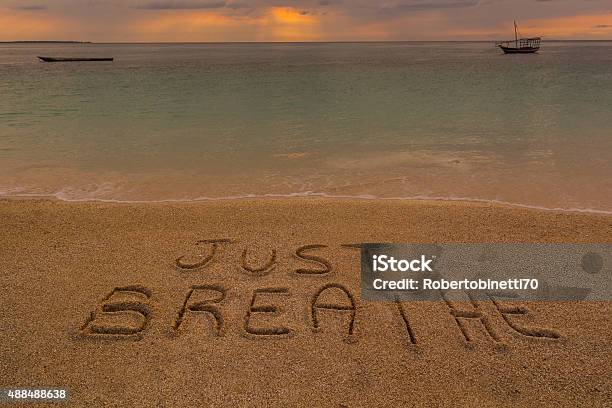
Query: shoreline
[(436, 219), (316, 196)]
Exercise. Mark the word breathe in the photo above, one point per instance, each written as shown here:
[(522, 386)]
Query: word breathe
[(385, 263)]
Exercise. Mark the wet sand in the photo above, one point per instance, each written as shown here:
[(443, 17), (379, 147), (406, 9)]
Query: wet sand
[(117, 303)]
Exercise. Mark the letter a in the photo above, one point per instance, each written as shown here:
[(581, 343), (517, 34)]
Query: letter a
[(318, 304)]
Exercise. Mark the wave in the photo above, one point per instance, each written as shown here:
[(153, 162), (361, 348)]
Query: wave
[(306, 194)]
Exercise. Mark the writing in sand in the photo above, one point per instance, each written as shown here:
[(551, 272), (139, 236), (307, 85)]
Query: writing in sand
[(260, 310)]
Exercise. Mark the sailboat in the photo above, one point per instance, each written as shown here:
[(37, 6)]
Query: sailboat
[(520, 45)]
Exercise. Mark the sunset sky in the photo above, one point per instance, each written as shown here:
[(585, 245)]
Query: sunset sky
[(301, 20)]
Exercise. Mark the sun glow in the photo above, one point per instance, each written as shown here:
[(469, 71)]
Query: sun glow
[(290, 16), (288, 24)]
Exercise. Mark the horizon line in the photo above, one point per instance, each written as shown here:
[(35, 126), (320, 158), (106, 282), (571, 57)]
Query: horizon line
[(279, 42)]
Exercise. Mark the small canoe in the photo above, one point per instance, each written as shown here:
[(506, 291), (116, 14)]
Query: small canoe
[(52, 59)]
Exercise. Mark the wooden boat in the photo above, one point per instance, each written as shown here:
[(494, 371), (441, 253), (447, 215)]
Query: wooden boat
[(520, 45), (53, 59)]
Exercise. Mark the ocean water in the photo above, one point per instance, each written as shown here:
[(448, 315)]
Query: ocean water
[(376, 120)]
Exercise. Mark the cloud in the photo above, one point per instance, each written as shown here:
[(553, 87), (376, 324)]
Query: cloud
[(302, 20), (433, 5), (30, 7), (21, 25), (576, 27), (182, 5)]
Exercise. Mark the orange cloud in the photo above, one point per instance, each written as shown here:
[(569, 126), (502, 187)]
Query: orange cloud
[(275, 24), (285, 24), (190, 26), (580, 26), (591, 26), (26, 25), (188, 22)]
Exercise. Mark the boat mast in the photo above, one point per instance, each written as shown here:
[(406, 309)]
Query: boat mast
[(515, 35)]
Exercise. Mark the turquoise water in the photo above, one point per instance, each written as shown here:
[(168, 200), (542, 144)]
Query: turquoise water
[(380, 120)]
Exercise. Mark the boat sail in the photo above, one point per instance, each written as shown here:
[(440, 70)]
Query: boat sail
[(520, 45)]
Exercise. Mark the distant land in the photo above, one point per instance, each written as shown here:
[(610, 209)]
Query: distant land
[(45, 42)]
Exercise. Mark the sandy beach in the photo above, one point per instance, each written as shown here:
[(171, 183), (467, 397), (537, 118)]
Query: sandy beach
[(248, 303)]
